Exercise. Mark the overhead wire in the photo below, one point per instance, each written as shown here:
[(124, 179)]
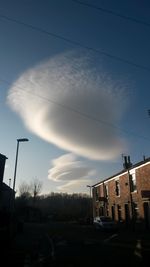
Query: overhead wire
[(76, 43), (83, 46), (114, 13)]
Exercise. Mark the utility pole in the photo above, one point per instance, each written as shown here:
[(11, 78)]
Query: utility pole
[(90, 186), (91, 202), (127, 164), (105, 199)]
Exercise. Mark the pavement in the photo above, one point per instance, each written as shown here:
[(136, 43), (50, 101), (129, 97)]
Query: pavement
[(130, 238), (40, 245), (29, 247)]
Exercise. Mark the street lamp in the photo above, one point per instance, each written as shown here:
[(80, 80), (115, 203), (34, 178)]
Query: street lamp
[(90, 186), (18, 141), (90, 204)]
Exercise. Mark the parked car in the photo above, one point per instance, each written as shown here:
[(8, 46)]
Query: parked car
[(104, 223)]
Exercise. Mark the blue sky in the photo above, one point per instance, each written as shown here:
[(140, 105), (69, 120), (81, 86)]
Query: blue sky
[(80, 108)]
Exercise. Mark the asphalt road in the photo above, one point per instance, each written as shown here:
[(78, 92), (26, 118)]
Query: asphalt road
[(71, 245)]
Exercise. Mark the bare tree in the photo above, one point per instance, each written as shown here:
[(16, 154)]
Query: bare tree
[(24, 190), (36, 187)]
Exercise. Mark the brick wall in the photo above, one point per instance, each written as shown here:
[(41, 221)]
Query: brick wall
[(126, 203)]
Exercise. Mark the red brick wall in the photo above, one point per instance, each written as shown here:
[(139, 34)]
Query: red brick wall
[(143, 183)]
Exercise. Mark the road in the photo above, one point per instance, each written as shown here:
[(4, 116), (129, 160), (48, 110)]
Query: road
[(71, 245)]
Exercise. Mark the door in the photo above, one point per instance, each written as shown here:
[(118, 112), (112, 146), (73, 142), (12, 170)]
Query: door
[(146, 214), (127, 216)]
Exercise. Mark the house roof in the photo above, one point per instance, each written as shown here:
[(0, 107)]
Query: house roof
[(5, 187), (140, 163), (3, 156)]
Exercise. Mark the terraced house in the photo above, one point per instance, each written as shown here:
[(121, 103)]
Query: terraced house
[(125, 196)]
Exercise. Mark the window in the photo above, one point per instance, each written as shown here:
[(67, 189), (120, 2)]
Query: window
[(117, 188), (106, 190), (133, 182)]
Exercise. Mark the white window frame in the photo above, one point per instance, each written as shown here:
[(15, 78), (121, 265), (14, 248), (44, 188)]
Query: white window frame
[(133, 182)]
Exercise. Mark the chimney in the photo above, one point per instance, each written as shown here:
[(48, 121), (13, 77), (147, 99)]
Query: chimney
[(127, 163)]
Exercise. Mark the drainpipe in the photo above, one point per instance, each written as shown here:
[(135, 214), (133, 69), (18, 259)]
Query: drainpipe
[(105, 204), (130, 195), (127, 164)]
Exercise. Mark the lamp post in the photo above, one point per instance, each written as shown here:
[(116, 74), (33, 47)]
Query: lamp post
[(16, 161), (90, 204), (90, 189), (12, 198)]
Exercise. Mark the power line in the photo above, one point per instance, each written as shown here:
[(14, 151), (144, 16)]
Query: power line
[(83, 114), (73, 42), (114, 13)]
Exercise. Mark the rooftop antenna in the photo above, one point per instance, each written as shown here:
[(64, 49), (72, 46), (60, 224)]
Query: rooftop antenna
[(122, 156)]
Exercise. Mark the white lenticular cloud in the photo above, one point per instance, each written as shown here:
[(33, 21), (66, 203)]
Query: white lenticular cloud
[(68, 103), (74, 174), (68, 168), (74, 186)]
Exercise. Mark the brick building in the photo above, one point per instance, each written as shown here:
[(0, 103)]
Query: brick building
[(6, 193), (125, 196)]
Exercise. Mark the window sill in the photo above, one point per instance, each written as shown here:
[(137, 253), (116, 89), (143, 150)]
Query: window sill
[(135, 191)]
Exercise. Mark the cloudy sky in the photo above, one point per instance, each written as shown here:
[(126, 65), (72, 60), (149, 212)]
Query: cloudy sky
[(74, 80)]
